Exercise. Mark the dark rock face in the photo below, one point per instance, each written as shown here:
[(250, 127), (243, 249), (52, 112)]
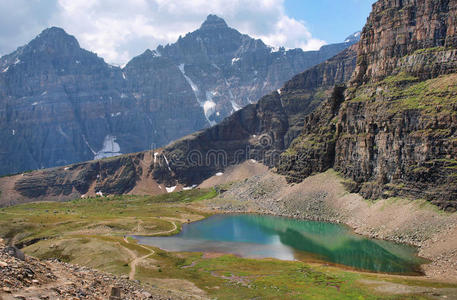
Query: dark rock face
[(397, 28), (109, 176), (259, 131), (395, 132), (228, 70), (314, 150), (60, 104)]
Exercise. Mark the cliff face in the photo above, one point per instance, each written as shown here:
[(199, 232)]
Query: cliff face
[(228, 70), (395, 132), (259, 131), (401, 140), (61, 104), (396, 28)]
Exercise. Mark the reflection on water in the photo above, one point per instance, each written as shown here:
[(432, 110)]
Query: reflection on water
[(259, 236)]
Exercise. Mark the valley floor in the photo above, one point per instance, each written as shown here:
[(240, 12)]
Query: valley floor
[(91, 233)]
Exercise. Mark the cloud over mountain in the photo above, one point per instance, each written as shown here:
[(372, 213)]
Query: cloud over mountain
[(118, 30)]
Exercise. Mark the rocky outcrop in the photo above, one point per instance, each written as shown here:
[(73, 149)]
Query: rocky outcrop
[(395, 132), (314, 150), (60, 104), (30, 278), (396, 28)]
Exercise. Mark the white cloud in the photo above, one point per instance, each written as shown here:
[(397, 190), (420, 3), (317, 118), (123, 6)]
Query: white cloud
[(22, 20), (117, 30)]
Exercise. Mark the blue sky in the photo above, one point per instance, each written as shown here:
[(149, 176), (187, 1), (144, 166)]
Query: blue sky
[(330, 20), (118, 30)]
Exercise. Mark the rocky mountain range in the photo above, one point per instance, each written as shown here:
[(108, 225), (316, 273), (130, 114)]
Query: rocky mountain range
[(382, 113), (61, 104)]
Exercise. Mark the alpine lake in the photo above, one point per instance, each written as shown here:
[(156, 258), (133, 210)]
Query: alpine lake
[(262, 236)]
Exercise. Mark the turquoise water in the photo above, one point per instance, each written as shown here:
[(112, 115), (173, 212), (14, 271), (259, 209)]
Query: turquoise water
[(259, 236)]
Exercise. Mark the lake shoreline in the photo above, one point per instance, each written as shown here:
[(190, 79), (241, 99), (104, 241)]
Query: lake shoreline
[(182, 242), (322, 197)]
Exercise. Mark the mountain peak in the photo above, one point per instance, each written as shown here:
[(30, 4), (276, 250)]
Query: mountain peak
[(213, 22), (55, 37), (353, 38)]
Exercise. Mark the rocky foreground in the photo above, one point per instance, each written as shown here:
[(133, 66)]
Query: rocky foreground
[(25, 277)]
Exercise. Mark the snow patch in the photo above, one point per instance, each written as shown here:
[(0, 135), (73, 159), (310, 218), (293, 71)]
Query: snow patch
[(13, 132), (123, 75), (170, 189), (189, 81), (219, 174), (34, 103), (209, 107), (78, 62), (187, 188), (17, 61), (168, 164), (235, 106), (155, 157), (5, 70), (110, 148), (116, 114), (123, 96), (44, 93), (274, 49), (279, 91), (234, 60), (253, 161), (88, 146), (99, 193), (66, 168)]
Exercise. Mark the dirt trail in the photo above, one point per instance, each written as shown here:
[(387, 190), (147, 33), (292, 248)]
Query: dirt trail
[(135, 257), (175, 227), (73, 282)]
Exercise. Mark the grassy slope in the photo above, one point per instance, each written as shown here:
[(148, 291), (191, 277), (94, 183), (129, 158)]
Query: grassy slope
[(90, 232)]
